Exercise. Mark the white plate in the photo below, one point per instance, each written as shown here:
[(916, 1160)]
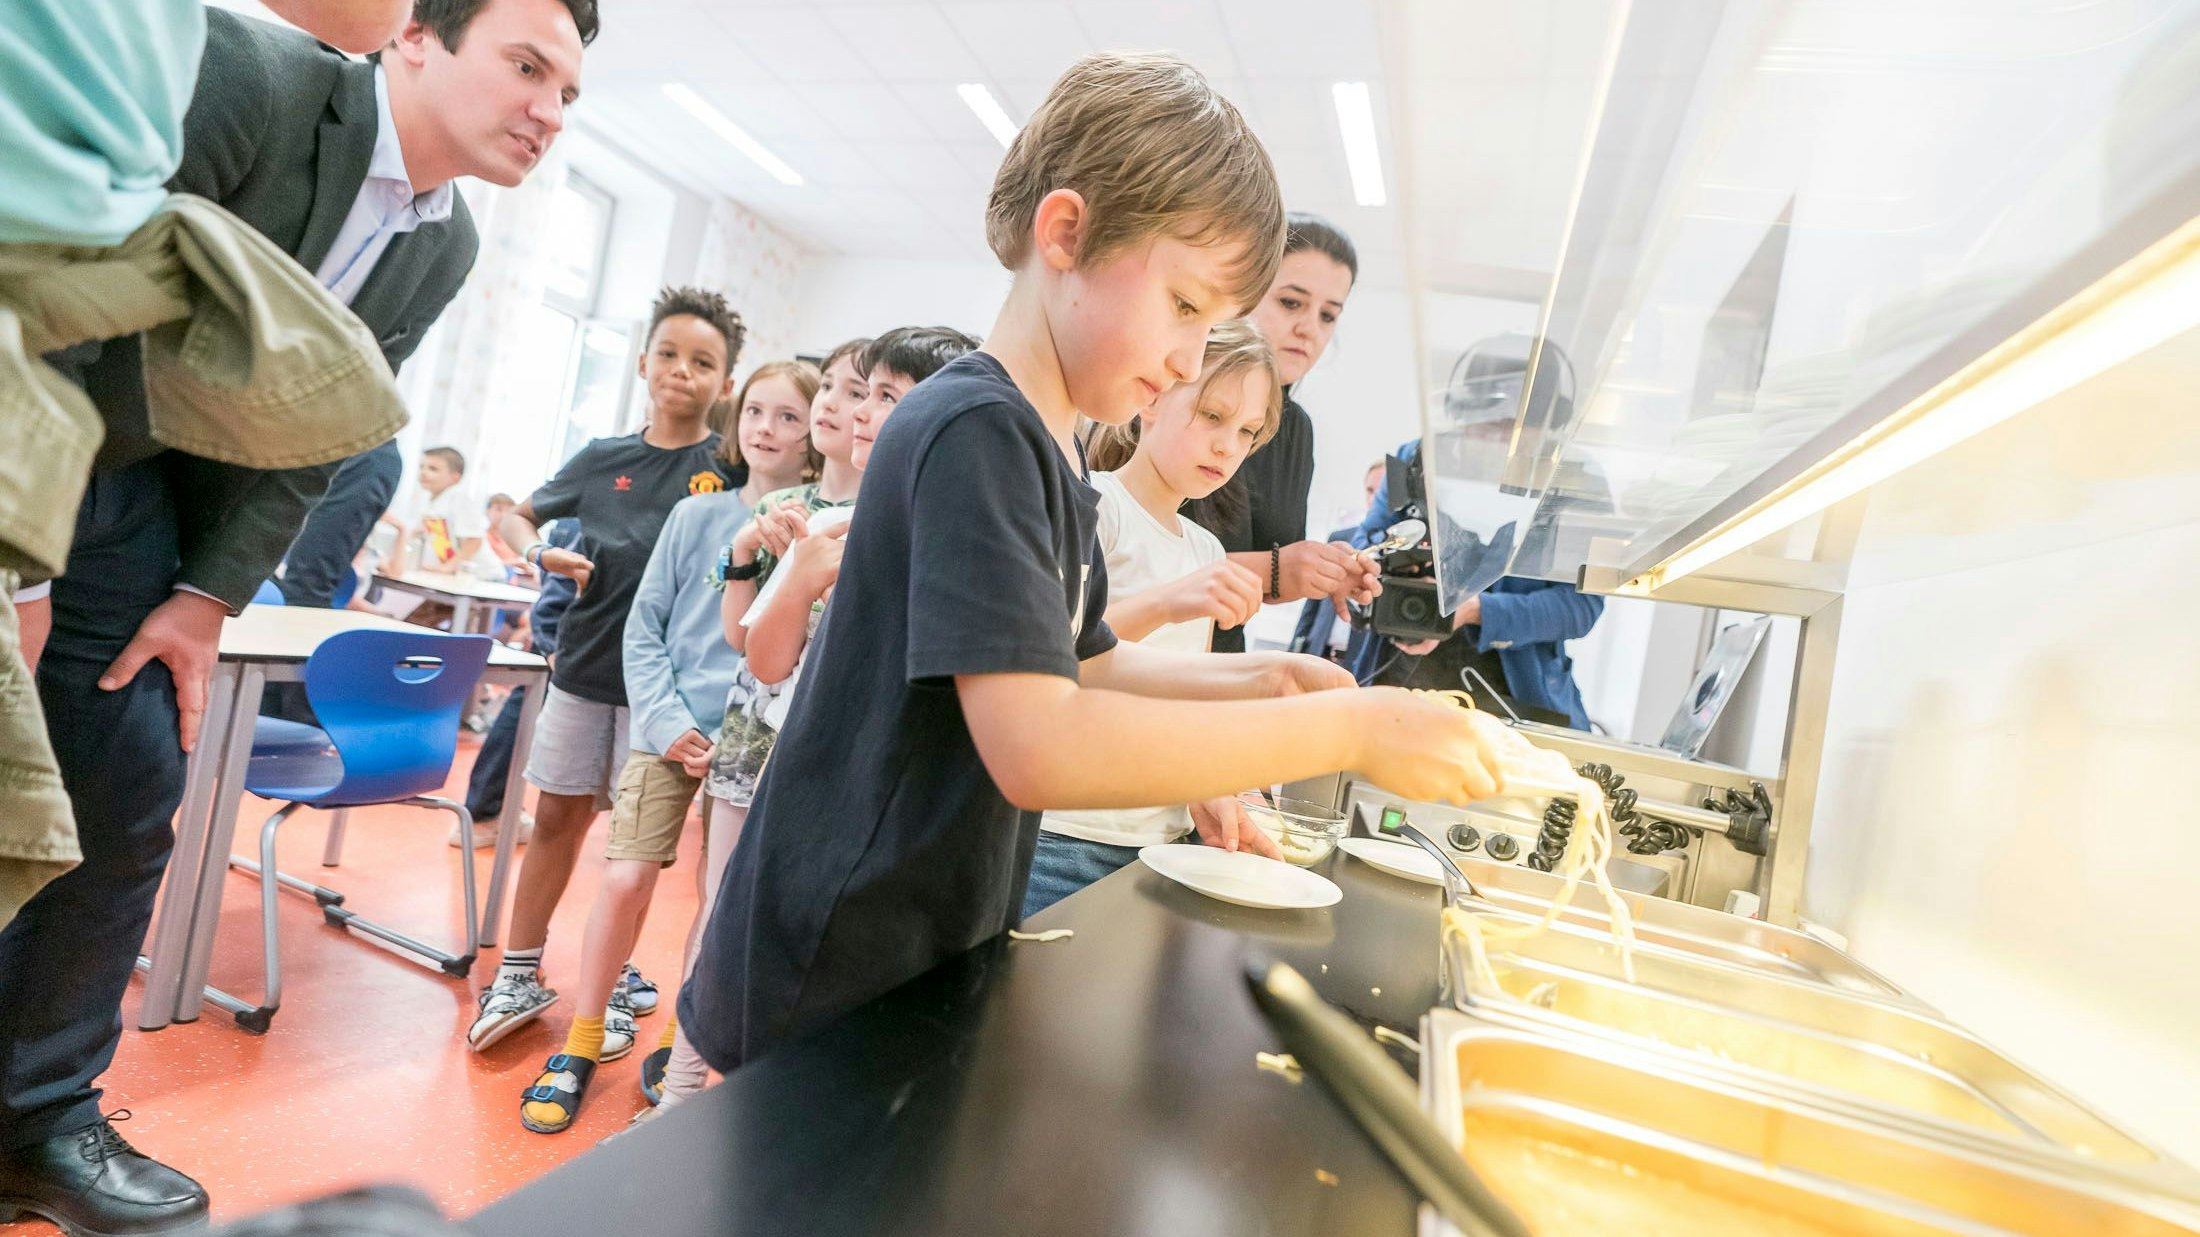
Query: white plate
[(1240, 877), (1397, 858)]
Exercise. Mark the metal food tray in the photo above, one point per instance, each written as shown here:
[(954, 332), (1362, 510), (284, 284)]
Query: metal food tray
[(1750, 944), (1611, 1108), (1831, 1050)]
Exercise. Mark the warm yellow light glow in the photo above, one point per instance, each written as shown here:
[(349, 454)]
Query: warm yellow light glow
[(2147, 300)]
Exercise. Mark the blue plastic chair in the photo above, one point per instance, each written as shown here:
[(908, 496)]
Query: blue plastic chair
[(269, 594), (346, 585), (389, 704)]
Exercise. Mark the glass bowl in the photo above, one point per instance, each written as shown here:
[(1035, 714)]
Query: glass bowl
[(1305, 832)]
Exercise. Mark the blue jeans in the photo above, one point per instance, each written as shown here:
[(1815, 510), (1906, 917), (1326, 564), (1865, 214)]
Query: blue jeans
[(1063, 865), (338, 526)]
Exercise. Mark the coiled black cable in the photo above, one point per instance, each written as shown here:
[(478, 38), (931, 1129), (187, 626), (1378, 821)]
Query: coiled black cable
[(1642, 837)]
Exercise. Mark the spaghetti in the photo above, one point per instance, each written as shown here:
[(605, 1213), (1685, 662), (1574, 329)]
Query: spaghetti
[(1534, 770)]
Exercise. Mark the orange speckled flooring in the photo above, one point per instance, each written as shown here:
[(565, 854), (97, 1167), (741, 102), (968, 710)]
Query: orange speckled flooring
[(365, 1075)]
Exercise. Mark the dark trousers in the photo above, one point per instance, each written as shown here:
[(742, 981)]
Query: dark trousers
[(65, 961), (493, 763), (339, 526)]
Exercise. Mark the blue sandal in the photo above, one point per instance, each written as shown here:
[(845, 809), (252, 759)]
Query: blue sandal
[(653, 1075), (549, 1088)]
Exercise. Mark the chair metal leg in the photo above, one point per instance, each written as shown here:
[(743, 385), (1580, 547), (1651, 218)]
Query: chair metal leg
[(459, 965), (332, 852), (256, 1018)]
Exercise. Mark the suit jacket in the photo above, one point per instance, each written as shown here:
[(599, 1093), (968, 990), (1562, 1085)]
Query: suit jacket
[(280, 132)]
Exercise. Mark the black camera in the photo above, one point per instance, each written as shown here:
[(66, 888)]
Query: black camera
[(1410, 608)]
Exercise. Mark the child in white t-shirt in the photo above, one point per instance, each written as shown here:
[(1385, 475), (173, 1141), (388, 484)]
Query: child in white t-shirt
[(445, 530), (1169, 580)]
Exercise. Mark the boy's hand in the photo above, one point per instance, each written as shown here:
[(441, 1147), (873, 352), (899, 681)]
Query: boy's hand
[(1295, 674), (688, 749), (184, 633), (752, 536), (568, 563), (1425, 747), (1222, 591), (782, 528), (1223, 822), (816, 561)]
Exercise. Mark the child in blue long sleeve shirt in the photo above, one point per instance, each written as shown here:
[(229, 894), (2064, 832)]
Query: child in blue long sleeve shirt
[(679, 672)]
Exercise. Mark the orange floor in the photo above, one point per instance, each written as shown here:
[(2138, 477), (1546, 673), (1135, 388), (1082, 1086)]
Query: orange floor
[(365, 1075)]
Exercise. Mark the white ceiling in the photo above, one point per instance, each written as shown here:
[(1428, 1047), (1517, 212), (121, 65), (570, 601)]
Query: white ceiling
[(859, 98)]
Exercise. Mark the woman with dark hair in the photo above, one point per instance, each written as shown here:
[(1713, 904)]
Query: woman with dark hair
[(1260, 517)]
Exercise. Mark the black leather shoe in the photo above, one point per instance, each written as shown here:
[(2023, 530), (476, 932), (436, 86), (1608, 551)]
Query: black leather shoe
[(94, 1184)]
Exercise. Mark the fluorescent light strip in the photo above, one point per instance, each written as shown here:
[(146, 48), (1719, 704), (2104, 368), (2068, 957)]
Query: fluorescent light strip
[(1356, 121), (722, 125), (2146, 301), (989, 111)]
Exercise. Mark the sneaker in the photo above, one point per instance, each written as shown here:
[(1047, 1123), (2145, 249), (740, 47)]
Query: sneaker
[(485, 832), (641, 994), (618, 1028), (510, 1003)]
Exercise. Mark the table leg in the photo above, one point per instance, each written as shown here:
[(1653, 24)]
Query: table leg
[(462, 615), (171, 935), (515, 793), (221, 829)]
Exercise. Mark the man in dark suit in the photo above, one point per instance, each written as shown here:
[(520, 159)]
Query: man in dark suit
[(348, 167)]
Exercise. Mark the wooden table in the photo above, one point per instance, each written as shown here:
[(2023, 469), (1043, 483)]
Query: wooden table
[(270, 644), (465, 595)]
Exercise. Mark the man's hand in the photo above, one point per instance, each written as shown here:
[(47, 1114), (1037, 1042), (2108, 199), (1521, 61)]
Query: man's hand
[(1223, 822), (692, 750), (1329, 569), (1469, 612), (184, 633), (570, 563)]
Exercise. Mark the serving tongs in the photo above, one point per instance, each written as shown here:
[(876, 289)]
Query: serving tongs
[(1362, 1078), (1400, 535)]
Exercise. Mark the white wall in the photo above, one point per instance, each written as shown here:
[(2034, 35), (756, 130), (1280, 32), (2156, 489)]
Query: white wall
[(2005, 824), (841, 298)]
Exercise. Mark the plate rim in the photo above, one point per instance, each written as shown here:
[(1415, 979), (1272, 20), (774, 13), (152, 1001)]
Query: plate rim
[(1333, 892)]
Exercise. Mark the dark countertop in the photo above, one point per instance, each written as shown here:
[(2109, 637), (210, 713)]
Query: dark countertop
[(1102, 1084)]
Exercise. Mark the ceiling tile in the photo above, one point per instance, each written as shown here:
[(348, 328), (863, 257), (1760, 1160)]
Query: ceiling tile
[(1019, 40), (1190, 28), (943, 112), (905, 43), (1304, 38), (862, 111), (798, 44)]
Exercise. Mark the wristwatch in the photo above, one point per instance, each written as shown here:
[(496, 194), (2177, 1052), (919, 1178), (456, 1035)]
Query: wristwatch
[(747, 571)]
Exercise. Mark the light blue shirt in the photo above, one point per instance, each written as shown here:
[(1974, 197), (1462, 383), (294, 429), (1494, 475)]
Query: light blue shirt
[(92, 97), (679, 668), (385, 209)]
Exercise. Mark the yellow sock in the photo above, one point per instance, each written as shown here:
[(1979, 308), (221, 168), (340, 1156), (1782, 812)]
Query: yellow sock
[(585, 1039), (672, 1028)]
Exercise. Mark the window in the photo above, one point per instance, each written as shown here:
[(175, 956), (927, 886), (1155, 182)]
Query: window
[(568, 372)]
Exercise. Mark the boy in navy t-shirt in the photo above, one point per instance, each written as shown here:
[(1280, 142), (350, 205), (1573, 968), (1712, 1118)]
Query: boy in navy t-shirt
[(965, 678)]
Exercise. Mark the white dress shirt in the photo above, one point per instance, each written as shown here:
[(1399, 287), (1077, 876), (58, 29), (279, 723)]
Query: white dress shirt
[(385, 208)]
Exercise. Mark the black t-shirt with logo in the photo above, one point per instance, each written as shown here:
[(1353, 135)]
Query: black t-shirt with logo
[(878, 845), (621, 490)]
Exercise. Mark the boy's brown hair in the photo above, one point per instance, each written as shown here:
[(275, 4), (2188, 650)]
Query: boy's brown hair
[(1154, 151), (725, 418), (1233, 347)]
